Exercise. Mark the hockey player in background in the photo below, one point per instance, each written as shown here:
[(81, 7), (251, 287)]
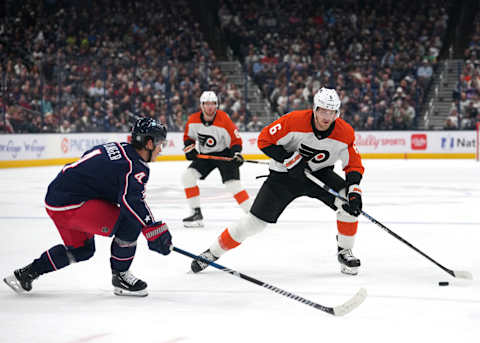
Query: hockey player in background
[(103, 194), (216, 135), (310, 140)]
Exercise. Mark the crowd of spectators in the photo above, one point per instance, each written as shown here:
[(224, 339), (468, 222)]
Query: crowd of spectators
[(380, 54), (78, 66), (465, 110)]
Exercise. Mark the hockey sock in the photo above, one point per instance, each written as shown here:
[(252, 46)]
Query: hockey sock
[(193, 196), (82, 253), (226, 241), (240, 195), (123, 253), (223, 243), (189, 182), (53, 259), (243, 200), (347, 229), (231, 237)]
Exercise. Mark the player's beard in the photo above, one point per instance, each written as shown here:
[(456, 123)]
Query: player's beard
[(209, 116), (323, 124)]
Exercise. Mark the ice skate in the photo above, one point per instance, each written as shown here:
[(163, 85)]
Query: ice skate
[(125, 284), (195, 220), (198, 266), (21, 279), (349, 263)]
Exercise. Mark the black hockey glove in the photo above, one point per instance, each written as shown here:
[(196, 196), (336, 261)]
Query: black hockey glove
[(158, 237), (190, 152), (237, 159), (296, 165), (354, 196)]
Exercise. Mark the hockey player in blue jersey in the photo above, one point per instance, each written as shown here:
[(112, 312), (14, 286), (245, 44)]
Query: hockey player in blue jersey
[(103, 194)]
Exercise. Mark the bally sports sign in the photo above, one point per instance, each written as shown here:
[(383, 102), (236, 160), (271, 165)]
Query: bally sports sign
[(44, 149)]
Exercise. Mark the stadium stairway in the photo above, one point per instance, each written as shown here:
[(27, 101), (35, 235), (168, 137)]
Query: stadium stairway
[(256, 103), (440, 97)]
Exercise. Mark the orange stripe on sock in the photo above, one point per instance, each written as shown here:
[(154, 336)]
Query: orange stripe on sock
[(347, 229), (241, 196), (226, 241), (192, 192)]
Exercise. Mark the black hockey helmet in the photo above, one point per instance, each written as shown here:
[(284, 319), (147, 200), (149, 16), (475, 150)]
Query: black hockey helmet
[(145, 129)]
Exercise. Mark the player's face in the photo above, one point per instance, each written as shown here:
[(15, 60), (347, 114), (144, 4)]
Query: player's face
[(158, 149), (324, 118), (209, 108)]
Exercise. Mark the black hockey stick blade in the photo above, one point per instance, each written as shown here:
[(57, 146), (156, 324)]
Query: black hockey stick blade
[(340, 310), (455, 273), (257, 162)]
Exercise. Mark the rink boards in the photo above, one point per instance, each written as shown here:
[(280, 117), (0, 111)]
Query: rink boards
[(28, 150)]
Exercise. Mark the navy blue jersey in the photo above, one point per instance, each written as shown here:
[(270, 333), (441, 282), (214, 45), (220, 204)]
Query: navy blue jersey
[(114, 172)]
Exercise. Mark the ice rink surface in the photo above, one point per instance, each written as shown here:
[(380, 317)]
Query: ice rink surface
[(433, 204)]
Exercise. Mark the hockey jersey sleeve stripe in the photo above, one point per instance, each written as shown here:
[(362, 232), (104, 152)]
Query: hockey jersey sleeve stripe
[(231, 128), (354, 161), (64, 208), (343, 132), (124, 197), (83, 159)]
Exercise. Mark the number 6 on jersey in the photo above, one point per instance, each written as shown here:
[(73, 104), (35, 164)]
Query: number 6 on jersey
[(273, 130)]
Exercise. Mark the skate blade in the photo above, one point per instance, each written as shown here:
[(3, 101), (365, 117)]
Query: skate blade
[(123, 292), (13, 283), (349, 270), (193, 224)]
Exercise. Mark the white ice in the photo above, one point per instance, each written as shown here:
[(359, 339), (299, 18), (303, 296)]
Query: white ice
[(433, 204)]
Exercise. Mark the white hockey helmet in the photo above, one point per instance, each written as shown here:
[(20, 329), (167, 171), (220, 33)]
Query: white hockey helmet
[(328, 99), (208, 96)]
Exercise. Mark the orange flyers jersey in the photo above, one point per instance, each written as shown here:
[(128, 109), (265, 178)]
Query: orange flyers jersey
[(294, 132), (218, 136)]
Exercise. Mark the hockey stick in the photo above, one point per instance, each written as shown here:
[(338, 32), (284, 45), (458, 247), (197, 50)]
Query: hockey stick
[(222, 158), (341, 310), (455, 273)]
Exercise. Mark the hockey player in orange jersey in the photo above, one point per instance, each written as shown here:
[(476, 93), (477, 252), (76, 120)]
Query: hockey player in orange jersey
[(304, 140), (213, 133)]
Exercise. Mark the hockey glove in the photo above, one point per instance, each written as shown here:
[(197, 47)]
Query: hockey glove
[(354, 196), (158, 237), (238, 159), (295, 165), (190, 152)]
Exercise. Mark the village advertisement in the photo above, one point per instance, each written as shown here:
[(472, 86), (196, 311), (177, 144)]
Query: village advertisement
[(50, 146)]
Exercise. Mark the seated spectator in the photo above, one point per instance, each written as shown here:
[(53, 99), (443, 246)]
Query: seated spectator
[(254, 124), (452, 119)]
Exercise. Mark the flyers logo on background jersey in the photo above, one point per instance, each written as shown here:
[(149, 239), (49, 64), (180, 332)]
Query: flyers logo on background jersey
[(313, 155), (207, 140)]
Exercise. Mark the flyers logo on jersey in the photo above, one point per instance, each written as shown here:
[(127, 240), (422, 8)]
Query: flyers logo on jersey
[(313, 155), (207, 140)]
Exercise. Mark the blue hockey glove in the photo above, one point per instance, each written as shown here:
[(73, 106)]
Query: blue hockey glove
[(158, 237)]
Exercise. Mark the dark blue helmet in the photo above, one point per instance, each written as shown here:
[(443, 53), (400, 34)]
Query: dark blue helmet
[(145, 129)]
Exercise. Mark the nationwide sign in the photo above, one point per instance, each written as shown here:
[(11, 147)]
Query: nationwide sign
[(372, 144)]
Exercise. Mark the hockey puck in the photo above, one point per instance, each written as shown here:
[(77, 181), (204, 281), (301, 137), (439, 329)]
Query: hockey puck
[(443, 283)]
